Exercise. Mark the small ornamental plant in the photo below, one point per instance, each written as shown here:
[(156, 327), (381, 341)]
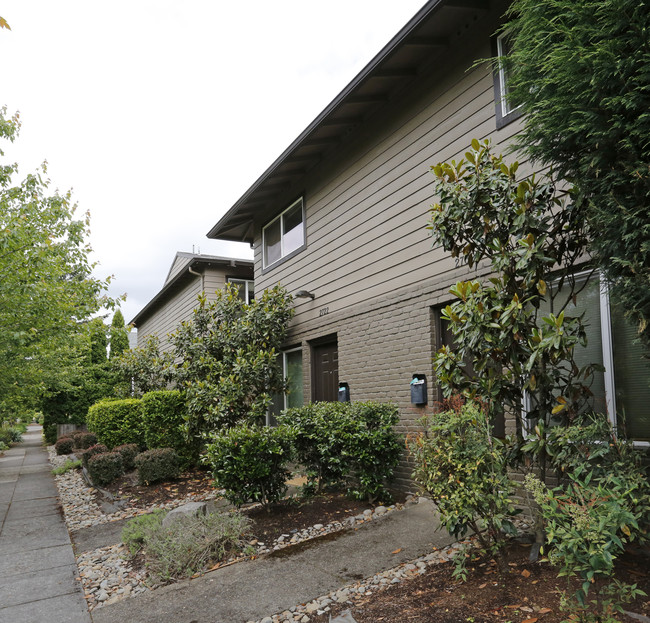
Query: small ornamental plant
[(105, 468), (64, 445), (84, 440), (156, 465), (128, 451), (464, 470), (98, 448)]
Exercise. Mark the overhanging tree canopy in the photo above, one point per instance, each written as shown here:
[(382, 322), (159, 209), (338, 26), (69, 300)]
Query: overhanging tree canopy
[(581, 72)]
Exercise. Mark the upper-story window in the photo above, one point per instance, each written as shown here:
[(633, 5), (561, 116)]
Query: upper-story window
[(505, 111), (284, 234), (245, 289)]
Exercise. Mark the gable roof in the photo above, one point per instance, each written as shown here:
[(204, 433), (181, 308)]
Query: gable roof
[(414, 49), (178, 278)]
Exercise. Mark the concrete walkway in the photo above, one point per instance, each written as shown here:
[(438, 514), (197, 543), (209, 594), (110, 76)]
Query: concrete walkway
[(38, 571), (37, 564), (251, 590)]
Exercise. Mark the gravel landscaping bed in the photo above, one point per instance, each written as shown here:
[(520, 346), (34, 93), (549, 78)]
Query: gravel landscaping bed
[(108, 575)]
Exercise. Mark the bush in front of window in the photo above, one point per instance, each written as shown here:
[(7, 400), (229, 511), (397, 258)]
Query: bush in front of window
[(228, 350), (601, 505), (164, 416), (250, 462), (464, 470)]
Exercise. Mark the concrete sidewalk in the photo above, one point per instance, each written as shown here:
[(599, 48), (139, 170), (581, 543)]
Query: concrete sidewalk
[(273, 583), (37, 564)]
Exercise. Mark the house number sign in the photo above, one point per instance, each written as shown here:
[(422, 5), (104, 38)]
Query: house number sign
[(324, 311)]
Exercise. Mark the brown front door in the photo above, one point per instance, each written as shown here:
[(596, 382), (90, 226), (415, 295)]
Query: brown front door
[(325, 358)]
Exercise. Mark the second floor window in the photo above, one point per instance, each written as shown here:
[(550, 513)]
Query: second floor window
[(284, 234)]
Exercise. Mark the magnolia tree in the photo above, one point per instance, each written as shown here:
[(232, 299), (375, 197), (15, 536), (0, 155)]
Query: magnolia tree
[(529, 241), (227, 357)]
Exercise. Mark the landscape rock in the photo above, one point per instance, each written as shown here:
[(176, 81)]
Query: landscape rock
[(187, 510)]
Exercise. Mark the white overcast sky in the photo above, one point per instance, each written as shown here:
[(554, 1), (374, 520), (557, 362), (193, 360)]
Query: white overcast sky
[(159, 114)]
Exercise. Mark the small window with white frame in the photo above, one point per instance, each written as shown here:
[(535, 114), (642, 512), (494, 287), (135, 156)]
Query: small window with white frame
[(284, 235), (245, 289), (290, 361), (505, 112)]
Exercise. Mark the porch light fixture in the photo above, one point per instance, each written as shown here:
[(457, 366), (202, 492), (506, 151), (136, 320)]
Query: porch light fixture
[(303, 294)]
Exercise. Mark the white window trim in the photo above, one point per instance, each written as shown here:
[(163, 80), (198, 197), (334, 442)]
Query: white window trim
[(608, 359), (505, 107), (279, 217), (246, 283), (284, 375)]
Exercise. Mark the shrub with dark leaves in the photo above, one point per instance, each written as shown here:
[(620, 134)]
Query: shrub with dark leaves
[(128, 451), (156, 465), (84, 440), (64, 445), (98, 448), (105, 468)]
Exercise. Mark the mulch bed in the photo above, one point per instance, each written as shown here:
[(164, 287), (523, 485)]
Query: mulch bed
[(529, 592), (126, 488), (288, 516)]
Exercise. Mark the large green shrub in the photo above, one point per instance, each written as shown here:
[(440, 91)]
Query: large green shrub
[(156, 465), (164, 422), (464, 471), (352, 442), (104, 468), (249, 462), (318, 441), (116, 422)]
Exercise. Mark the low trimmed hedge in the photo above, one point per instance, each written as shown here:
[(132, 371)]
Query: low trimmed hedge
[(117, 422), (249, 462), (347, 442), (98, 448), (64, 445), (156, 465), (104, 468)]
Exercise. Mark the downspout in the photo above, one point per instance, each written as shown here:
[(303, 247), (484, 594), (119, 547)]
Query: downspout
[(198, 274)]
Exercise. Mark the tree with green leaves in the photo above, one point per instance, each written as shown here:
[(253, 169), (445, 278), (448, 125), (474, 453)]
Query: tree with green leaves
[(228, 358), (144, 369), (118, 335), (581, 73), (48, 291)]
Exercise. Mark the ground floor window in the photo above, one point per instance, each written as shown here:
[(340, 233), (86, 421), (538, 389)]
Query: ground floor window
[(245, 289), (291, 363), (623, 389)]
